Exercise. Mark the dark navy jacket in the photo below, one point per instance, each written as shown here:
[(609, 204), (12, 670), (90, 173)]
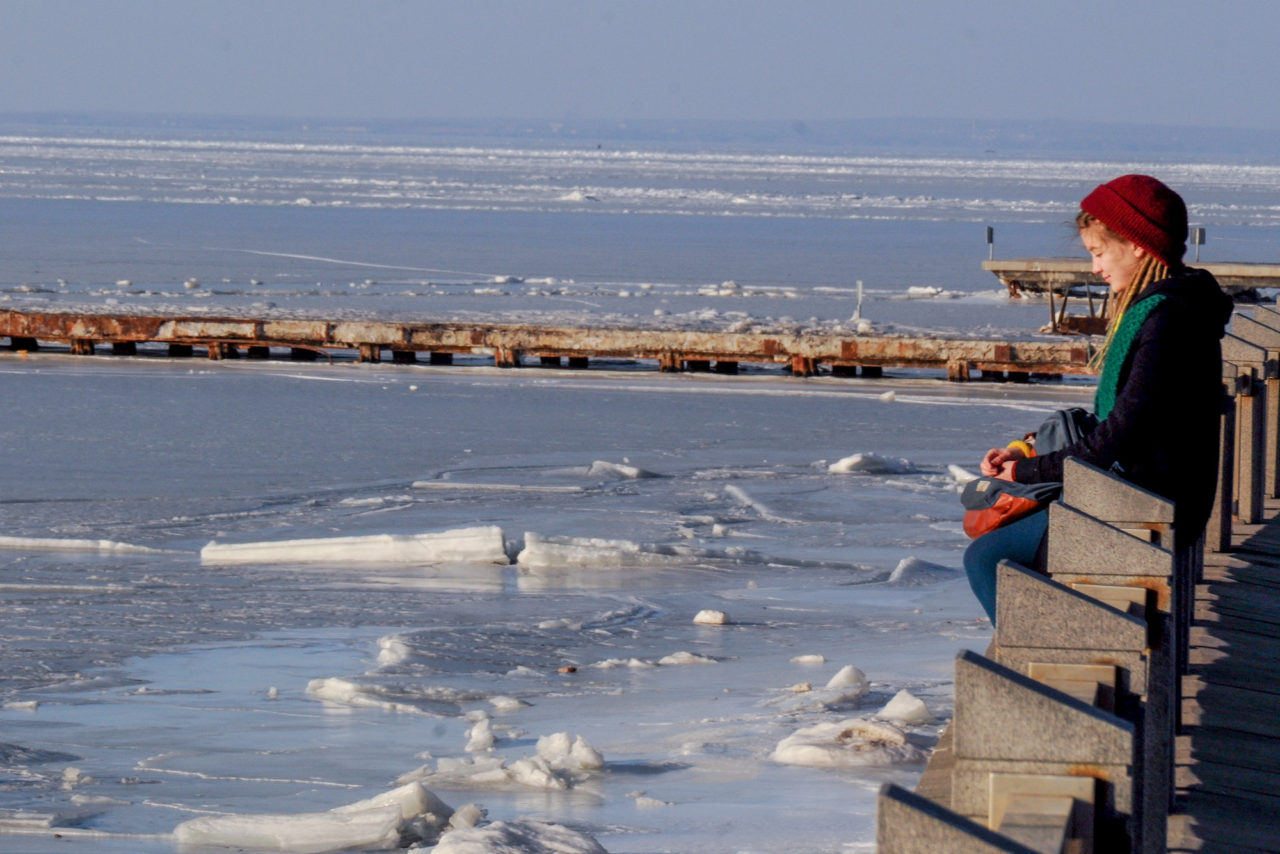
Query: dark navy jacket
[(1162, 433)]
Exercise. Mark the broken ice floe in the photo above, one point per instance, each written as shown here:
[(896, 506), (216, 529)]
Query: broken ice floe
[(913, 572), (675, 659), (843, 690), (849, 743), (403, 815), (462, 545), (541, 552), (561, 762), (72, 545), (905, 708), (432, 701), (869, 463), (515, 837), (620, 471)]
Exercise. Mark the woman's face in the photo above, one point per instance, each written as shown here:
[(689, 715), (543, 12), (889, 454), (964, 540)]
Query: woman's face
[(1114, 258)]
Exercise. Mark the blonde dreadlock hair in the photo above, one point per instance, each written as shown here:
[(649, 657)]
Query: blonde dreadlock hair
[(1151, 269)]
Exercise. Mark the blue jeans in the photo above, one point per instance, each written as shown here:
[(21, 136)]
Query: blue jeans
[(1017, 542)]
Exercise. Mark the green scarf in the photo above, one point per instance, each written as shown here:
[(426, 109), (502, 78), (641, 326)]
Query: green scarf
[(1104, 399)]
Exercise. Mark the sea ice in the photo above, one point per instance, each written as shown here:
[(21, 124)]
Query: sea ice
[(561, 762), (518, 837), (905, 708), (844, 690), (377, 823), (685, 657), (70, 545), (849, 677), (912, 571), (463, 545), (622, 471), (480, 737), (711, 617), (871, 463), (541, 552), (345, 692), (847, 744)]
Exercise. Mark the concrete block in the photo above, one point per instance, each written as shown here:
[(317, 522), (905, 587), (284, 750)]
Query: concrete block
[(907, 823), (1041, 623), (1007, 789), (1110, 498), (1033, 610), (1008, 723), (1085, 549)]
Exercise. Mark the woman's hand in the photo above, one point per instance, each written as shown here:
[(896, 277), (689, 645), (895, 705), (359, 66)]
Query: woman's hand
[(999, 462)]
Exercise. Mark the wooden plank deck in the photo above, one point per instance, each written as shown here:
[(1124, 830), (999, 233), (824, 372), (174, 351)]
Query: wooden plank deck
[(672, 349), (1228, 755)]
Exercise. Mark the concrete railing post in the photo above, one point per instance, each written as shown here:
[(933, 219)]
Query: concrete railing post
[(1263, 330), (1251, 431), (1219, 530), (1092, 641)]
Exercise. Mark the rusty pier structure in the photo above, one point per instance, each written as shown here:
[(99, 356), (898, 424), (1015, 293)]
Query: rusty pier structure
[(511, 345)]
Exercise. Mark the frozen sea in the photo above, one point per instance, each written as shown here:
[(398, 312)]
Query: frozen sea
[(281, 606)]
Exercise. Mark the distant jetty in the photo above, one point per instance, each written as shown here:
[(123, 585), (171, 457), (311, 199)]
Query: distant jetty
[(511, 345), (1061, 275), (1064, 278)]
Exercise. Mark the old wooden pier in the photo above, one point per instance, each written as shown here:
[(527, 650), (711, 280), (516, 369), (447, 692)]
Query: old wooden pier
[(510, 345)]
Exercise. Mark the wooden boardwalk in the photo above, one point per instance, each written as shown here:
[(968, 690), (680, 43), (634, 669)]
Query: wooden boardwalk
[(1228, 755)]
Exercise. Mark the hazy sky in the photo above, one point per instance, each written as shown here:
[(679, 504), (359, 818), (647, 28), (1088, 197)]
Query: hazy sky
[(1173, 62)]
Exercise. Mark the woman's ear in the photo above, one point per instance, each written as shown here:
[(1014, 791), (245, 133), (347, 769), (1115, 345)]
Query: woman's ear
[(1138, 251)]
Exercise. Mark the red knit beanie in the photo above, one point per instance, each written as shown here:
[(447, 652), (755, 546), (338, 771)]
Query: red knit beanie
[(1142, 210)]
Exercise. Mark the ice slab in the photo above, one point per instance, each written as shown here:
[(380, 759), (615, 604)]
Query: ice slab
[(518, 837), (462, 545), (376, 823), (72, 545), (847, 744)]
